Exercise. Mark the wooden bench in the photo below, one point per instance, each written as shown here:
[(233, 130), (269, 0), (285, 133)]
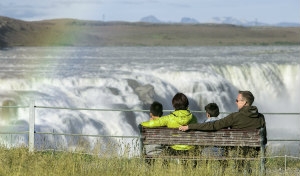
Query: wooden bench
[(221, 138)]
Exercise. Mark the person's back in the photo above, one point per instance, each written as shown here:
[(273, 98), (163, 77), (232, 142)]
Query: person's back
[(212, 113), (156, 111), (181, 116)]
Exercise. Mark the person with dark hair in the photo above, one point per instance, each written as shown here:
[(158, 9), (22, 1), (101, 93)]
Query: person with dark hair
[(156, 110), (212, 112), (181, 116), (247, 117)]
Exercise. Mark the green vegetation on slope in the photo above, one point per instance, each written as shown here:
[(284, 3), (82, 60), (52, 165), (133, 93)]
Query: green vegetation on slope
[(71, 32)]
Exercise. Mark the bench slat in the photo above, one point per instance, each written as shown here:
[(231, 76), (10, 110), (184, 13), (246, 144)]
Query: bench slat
[(224, 137)]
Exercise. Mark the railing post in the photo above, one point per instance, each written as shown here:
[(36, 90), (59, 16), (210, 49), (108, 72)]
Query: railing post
[(284, 164), (31, 126), (140, 139)]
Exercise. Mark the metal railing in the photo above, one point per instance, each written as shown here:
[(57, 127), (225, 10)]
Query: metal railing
[(32, 107), (31, 132)]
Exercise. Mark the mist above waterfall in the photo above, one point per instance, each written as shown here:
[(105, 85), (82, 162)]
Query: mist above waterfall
[(130, 78)]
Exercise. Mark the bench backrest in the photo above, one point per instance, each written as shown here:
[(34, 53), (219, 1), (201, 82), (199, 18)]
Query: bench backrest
[(224, 137)]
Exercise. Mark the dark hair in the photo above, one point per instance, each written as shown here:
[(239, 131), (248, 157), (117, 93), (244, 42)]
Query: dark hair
[(156, 109), (248, 96), (212, 109), (180, 102)]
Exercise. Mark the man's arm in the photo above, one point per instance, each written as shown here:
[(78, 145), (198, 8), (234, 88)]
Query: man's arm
[(224, 122), (210, 126), (207, 126)]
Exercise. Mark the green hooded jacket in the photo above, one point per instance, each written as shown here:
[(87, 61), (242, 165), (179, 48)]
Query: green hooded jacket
[(174, 120)]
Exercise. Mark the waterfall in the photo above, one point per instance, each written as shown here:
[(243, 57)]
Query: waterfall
[(133, 86)]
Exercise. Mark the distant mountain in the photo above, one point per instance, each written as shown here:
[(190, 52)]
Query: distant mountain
[(188, 20), (234, 21), (221, 20), (287, 24), (226, 20), (150, 19)]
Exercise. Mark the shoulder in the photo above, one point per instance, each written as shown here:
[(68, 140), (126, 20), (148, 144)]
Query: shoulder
[(215, 118), (212, 119)]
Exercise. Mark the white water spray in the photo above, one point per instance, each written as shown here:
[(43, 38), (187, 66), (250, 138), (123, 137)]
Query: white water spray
[(131, 78)]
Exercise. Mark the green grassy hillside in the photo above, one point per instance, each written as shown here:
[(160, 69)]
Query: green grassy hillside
[(71, 32)]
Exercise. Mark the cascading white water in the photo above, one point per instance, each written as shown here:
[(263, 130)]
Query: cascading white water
[(132, 77)]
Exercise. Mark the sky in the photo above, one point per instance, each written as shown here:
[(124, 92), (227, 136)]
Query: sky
[(267, 11)]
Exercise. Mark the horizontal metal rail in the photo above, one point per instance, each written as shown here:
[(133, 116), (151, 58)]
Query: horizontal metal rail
[(32, 107), (136, 110), (14, 106), (22, 132), (287, 140), (89, 135), (96, 135)]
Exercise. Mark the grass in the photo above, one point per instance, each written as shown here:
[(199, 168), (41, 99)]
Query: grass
[(19, 161)]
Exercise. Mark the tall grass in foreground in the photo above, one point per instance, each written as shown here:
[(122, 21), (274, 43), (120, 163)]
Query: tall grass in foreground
[(18, 161)]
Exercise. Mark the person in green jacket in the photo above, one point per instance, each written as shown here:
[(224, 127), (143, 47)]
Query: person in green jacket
[(181, 116), (247, 117)]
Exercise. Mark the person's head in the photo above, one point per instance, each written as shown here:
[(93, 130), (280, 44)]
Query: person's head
[(244, 98), (156, 109), (212, 110), (180, 102)]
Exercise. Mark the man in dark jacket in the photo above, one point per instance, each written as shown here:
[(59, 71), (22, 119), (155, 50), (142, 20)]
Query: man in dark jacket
[(247, 117)]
